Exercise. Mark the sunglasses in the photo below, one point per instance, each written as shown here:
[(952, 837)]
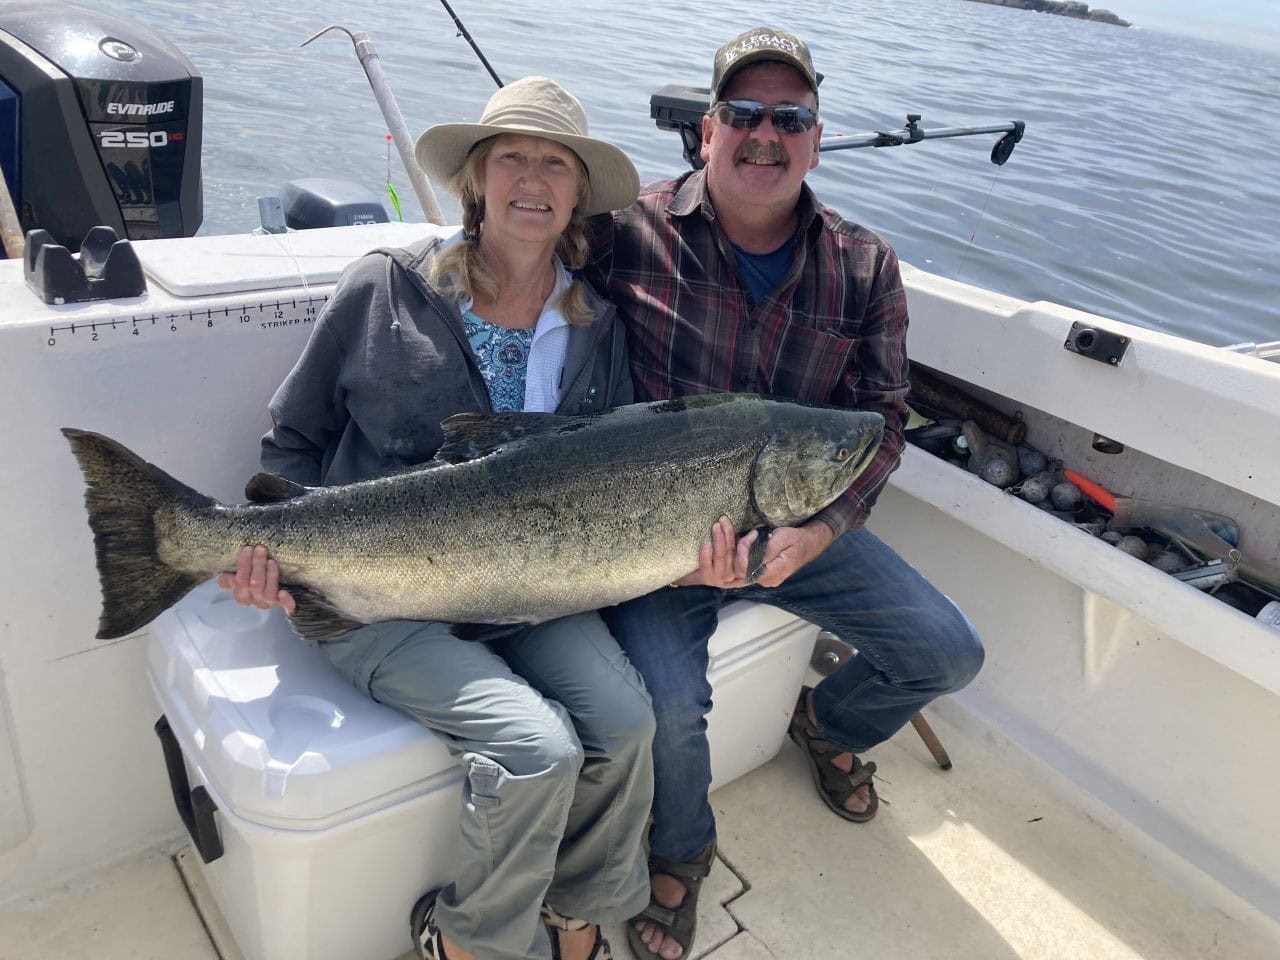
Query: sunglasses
[(748, 114)]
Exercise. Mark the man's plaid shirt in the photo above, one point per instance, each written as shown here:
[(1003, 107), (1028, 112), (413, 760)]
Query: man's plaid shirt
[(834, 332)]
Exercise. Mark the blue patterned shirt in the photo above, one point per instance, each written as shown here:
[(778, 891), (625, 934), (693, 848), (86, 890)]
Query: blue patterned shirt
[(545, 346), (503, 356)]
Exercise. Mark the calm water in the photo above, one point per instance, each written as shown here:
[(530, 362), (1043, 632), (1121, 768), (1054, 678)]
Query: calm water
[(1147, 187)]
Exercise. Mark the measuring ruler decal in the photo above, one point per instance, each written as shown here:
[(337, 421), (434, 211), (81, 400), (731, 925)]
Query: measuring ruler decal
[(258, 316)]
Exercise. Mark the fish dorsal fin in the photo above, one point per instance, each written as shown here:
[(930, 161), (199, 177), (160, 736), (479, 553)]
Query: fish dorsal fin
[(315, 618), (269, 488), (469, 436)]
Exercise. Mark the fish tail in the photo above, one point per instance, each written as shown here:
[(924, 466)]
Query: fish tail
[(123, 493)]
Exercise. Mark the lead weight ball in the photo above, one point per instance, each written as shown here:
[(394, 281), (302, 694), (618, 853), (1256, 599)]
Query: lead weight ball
[(1134, 546), (1065, 496)]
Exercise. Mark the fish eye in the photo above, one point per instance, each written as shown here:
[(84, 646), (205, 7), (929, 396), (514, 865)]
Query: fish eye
[(843, 454)]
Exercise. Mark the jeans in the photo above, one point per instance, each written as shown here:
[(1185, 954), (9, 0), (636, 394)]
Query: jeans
[(913, 645), (553, 727)]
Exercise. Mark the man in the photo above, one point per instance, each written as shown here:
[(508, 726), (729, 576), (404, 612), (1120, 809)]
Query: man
[(734, 278)]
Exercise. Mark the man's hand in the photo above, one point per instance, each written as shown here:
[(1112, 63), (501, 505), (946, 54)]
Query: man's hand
[(256, 581), (790, 548), (722, 561)]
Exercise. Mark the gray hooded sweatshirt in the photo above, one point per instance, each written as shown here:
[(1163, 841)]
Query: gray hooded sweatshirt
[(388, 360)]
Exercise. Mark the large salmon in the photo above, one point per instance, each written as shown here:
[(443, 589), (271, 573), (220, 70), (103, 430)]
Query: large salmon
[(520, 518)]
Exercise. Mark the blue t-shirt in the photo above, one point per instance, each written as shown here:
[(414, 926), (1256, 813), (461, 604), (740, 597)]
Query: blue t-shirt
[(503, 355), (762, 272)]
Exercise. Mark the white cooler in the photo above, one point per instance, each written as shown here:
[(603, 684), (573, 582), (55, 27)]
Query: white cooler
[(320, 815)]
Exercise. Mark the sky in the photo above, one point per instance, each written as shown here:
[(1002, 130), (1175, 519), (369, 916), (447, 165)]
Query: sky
[(1252, 23)]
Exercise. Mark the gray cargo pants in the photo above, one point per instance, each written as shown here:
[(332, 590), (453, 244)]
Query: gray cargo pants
[(554, 729)]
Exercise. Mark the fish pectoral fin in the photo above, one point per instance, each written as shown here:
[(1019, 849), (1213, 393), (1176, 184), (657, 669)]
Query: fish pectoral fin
[(470, 436), (755, 558), (269, 488), (315, 618)]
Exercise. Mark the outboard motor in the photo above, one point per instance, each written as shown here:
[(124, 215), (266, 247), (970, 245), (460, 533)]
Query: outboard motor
[(99, 125), (328, 202)]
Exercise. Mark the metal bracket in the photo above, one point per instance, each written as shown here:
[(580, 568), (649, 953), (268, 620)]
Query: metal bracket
[(1097, 344), (1211, 575)]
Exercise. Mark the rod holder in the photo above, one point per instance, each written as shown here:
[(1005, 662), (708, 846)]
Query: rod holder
[(106, 268)]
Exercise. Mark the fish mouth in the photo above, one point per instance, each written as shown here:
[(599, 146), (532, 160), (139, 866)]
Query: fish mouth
[(864, 449), (864, 455)]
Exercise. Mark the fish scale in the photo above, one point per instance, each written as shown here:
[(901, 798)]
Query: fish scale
[(567, 522)]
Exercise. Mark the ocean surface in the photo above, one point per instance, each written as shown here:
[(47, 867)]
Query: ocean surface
[(1146, 188)]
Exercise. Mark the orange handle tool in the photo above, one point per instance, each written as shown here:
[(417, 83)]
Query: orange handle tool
[(1094, 492)]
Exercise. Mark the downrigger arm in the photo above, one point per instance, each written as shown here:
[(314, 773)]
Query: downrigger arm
[(681, 108)]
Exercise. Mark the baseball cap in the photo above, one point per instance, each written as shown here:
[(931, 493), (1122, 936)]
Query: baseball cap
[(758, 45)]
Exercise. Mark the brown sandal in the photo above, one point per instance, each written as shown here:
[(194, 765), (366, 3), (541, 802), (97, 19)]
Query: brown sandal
[(679, 923), (834, 785)]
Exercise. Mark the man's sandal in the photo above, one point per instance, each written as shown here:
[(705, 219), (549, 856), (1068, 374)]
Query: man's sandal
[(679, 923), (834, 785), (556, 922)]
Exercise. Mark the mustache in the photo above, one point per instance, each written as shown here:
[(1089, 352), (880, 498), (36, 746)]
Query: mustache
[(754, 150)]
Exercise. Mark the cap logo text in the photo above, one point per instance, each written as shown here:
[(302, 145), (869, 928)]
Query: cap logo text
[(769, 41)]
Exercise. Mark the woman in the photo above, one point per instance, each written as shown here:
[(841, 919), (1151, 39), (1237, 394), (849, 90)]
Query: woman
[(552, 724)]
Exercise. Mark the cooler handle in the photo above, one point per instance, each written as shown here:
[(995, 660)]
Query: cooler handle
[(195, 807)]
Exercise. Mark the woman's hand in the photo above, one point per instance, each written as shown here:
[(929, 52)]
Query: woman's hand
[(256, 581)]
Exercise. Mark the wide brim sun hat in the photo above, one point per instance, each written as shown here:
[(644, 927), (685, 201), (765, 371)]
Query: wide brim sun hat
[(542, 108)]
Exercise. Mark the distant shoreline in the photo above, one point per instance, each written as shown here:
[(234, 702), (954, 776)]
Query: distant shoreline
[(1063, 8)]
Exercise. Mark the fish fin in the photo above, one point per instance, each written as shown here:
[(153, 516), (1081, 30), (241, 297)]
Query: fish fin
[(122, 494), (315, 618), (469, 436), (755, 558), (270, 488)]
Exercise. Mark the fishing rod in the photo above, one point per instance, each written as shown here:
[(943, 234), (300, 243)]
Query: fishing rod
[(681, 108), (465, 35)]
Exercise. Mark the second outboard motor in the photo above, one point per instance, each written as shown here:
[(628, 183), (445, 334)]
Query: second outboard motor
[(328, 202), (99, 125)]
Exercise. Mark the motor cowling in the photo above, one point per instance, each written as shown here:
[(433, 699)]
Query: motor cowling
[(100, 124)]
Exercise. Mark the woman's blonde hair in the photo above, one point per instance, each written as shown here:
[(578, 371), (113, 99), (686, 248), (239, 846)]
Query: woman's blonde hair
[(460, 271)]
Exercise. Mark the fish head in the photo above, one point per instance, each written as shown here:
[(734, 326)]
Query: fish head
[(811, 457)]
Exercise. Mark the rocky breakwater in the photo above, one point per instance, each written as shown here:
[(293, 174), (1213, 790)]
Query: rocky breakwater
[(1063, 8)]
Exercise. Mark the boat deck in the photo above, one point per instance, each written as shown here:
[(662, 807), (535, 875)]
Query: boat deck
[(996, 859)]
